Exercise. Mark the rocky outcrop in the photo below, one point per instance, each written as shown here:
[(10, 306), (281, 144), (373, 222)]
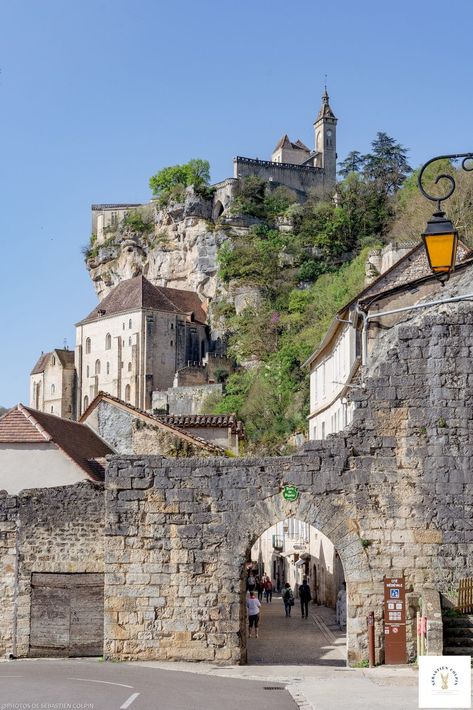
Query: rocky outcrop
[(178, 250)]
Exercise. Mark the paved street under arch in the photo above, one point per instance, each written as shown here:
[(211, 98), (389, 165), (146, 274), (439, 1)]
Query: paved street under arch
[(296, 641)]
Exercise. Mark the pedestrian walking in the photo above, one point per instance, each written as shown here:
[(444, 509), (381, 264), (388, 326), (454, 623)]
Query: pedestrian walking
[(268, 590), (251, 582), (253, 605), (260, 588), (288, 598), (305, 596)]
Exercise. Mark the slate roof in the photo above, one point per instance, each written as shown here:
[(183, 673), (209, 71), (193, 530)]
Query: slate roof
[(23, 425), (66, 357), (285, 142), (154, 421), (325, 110), (204, 420), (138, 292)]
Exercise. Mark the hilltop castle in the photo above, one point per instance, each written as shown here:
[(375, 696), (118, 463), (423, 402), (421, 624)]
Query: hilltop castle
[(145, 330), (294, 164)]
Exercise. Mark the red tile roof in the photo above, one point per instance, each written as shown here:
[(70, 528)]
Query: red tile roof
[(23, 425), (138, 292), (204, 420)]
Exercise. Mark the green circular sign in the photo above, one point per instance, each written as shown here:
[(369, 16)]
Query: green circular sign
[(290, 493)]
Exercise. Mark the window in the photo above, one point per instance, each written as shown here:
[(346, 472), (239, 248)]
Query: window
[(52, 410), (53, 360), (129, 367), (172, 326), (127, 393), (108, 341), (88, 344), (97, 367), (123, 324), (129, 341), (53, 389), (87, 371), (323, 431), (129, 324), (108, 368), (172, 343), (86, 402)]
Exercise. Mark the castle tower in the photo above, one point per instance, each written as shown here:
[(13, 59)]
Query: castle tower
[(325, 127)]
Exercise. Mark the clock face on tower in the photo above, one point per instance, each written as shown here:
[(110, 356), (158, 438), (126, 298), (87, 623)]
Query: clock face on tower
[(329, 133)]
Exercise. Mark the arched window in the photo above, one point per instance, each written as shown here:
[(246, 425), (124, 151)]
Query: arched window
[(127, 393), (129, 367), (53, 360), (129, 341), (129, 324), (88, 344), (108, 368), (108, 341), (97, 367), (87, 371), (53, 389), (52, 410), (86, 402)]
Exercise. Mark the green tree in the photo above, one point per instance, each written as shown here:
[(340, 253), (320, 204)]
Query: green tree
[(353, 163), (176, 178), (387, 163)]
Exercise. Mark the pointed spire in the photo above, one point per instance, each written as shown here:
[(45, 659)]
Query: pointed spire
[(325, 110)]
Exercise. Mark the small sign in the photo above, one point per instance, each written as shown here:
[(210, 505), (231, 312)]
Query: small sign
[(394, 593), (290, 493), (444, 681)]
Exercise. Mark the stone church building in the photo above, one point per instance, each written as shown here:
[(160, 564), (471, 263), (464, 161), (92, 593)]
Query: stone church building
[(136, 339), (132, 343)]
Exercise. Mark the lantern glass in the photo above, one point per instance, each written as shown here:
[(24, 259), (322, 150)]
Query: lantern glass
[(441, 251)]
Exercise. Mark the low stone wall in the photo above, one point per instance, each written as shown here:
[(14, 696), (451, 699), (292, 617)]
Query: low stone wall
[(44, 530), (393, 493)]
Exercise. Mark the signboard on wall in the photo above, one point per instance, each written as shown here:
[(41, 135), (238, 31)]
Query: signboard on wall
[(395, 650)]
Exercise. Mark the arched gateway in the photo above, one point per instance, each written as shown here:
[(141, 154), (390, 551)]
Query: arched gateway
[(393, 494)]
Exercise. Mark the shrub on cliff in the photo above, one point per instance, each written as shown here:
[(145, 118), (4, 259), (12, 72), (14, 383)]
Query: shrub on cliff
[(171, 182)]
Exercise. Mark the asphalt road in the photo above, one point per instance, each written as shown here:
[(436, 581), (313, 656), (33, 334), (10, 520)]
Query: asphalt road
[(94, 685)]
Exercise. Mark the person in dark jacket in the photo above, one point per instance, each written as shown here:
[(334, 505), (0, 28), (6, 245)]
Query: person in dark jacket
[(305, 596)]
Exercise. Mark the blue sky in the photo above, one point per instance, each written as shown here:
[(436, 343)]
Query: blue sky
[(97, 95)]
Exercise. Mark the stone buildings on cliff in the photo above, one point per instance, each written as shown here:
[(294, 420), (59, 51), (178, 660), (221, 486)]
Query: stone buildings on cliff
[(295, 165)]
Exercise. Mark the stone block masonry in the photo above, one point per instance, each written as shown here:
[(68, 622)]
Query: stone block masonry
[(393, 493), (51, 530)]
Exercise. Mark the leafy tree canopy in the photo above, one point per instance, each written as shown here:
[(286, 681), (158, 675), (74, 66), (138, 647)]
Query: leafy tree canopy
[(176, 178)]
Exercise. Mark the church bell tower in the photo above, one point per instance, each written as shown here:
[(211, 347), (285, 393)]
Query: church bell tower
[(325, 128)]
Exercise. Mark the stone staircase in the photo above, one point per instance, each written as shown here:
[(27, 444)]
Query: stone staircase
[(458, 635)]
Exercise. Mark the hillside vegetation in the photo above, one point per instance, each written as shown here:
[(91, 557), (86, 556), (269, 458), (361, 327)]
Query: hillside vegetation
[(303, 276)]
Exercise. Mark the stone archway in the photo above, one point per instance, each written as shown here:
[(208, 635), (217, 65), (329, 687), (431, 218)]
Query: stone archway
[(331, 520), (393, 493)]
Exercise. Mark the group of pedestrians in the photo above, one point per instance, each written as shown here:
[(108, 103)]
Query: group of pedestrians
[(260, 585), (304, 597), (256, 586)]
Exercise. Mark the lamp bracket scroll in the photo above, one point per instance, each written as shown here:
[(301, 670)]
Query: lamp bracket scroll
[(466, 164)]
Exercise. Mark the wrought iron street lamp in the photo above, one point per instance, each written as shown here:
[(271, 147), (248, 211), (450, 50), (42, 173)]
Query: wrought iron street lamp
[(440, 237)]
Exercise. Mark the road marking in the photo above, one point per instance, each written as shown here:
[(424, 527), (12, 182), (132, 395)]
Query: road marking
[(107, 682), (128, 702)]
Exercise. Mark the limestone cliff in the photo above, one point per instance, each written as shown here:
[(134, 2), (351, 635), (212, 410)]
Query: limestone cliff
[(175, 246)]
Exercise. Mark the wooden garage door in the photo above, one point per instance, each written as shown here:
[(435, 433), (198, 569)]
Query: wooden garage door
[(66, 615)]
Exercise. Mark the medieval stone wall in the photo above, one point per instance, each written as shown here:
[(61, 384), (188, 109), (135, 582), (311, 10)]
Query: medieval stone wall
[(44, 530), (301, 178), (393, 493)]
